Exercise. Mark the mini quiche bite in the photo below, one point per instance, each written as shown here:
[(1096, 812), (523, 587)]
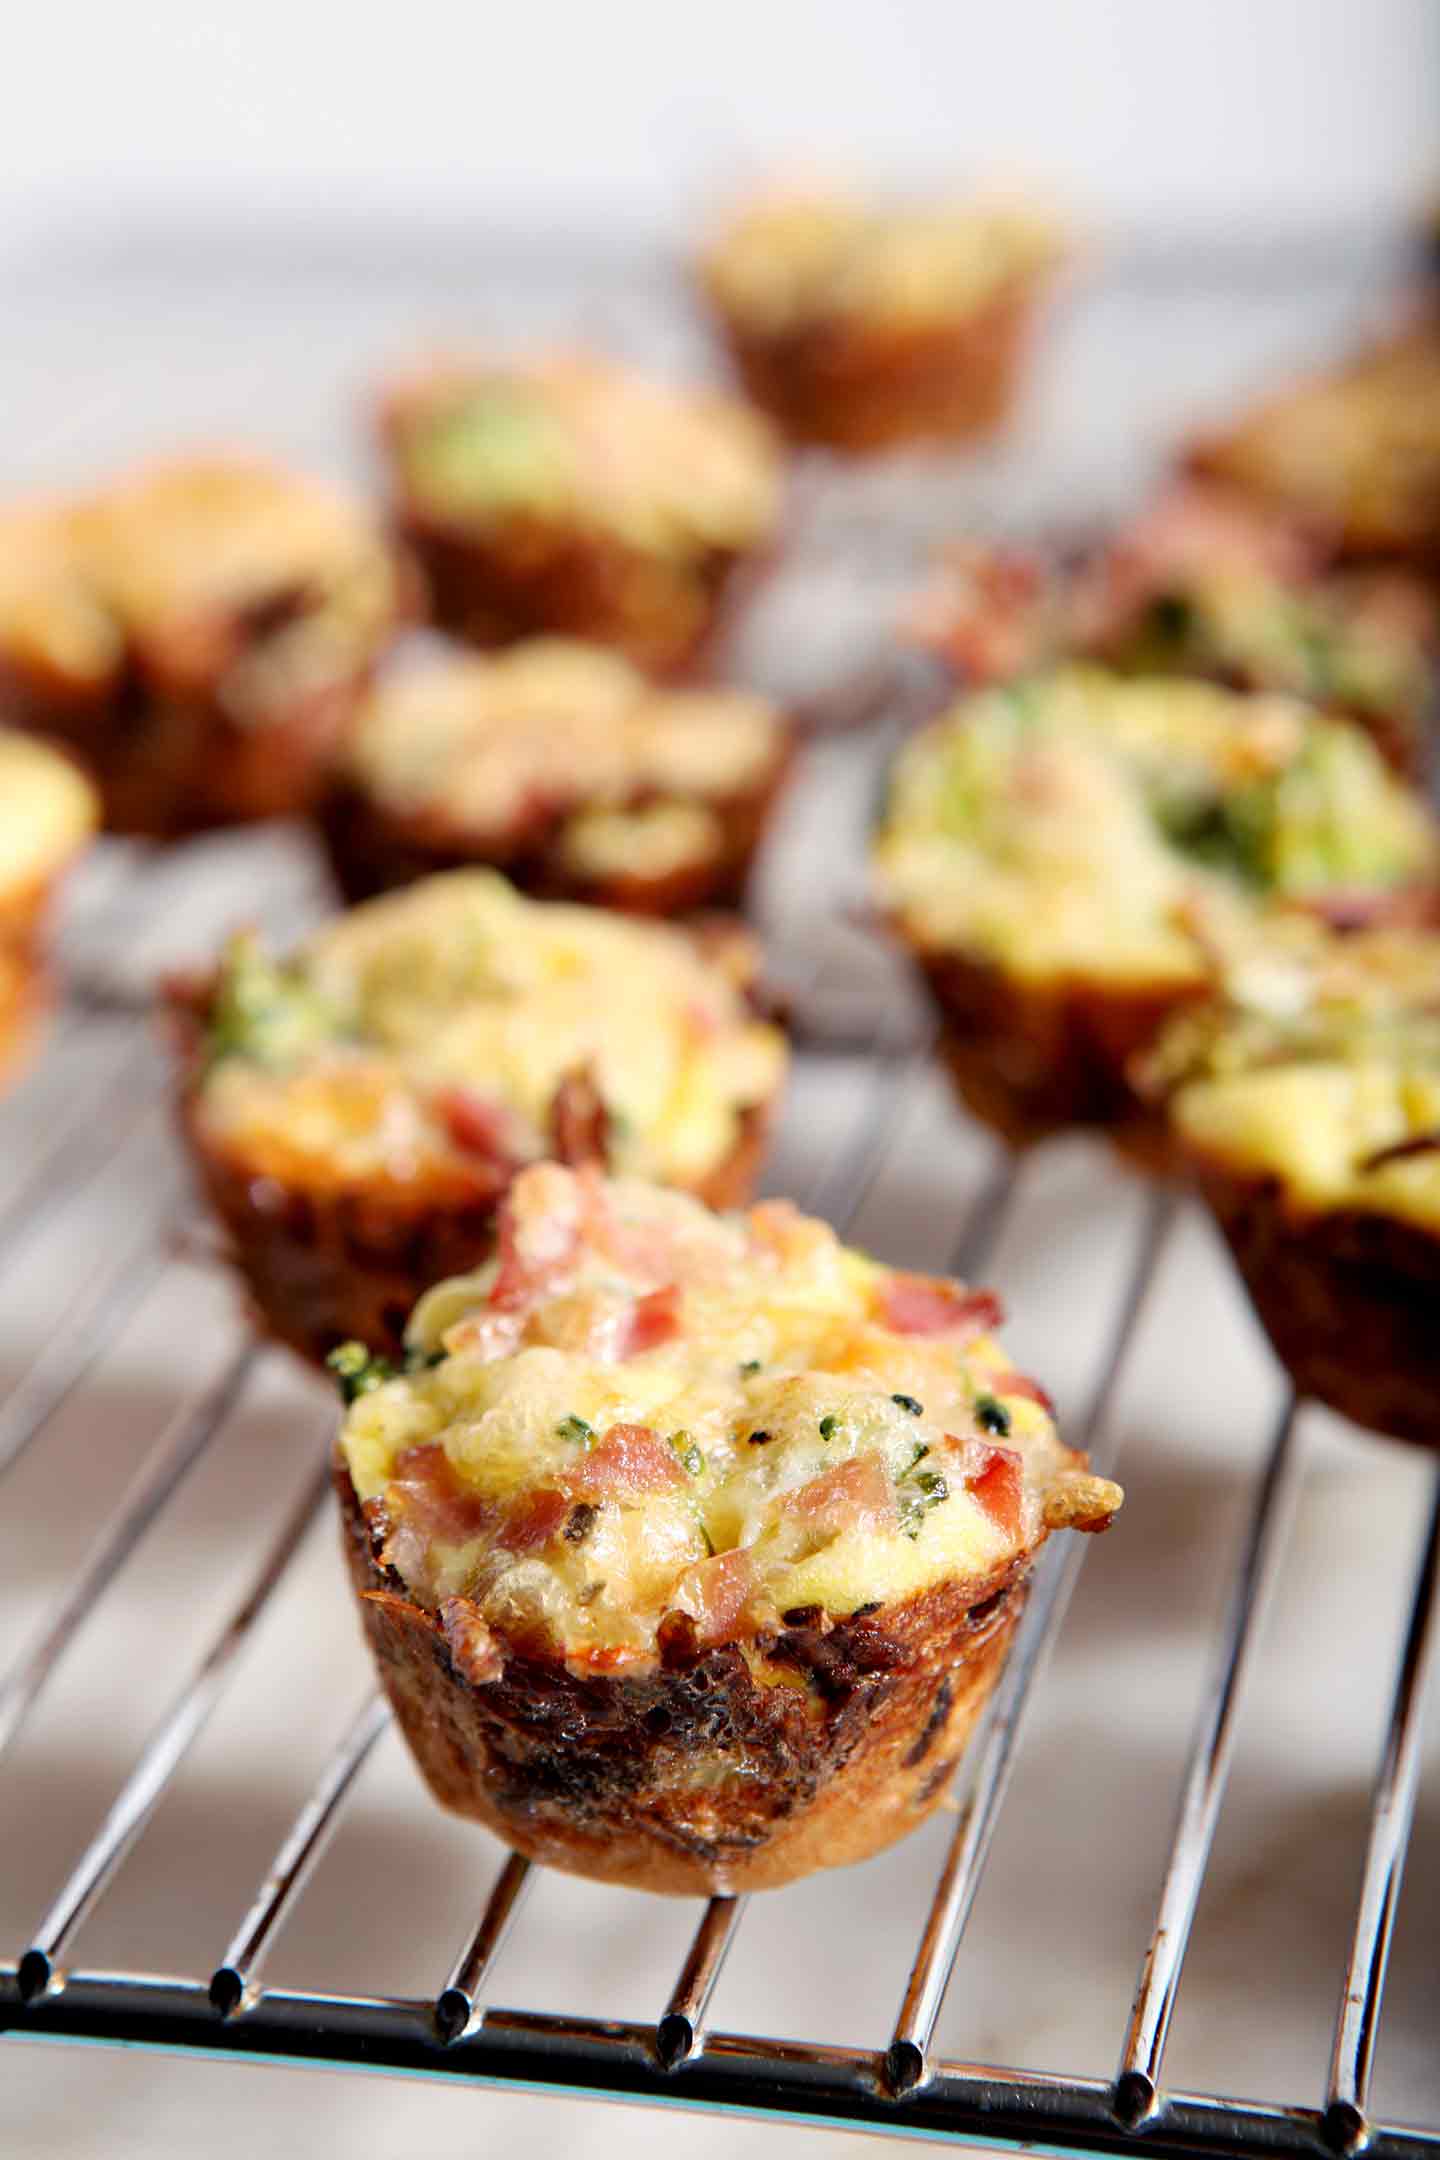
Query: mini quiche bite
[(859, 326), (1306, 1098), (48, 813), (356, 1111), (566, 493), (1060, 855), (690, 1547), (564, 766), (1203, 583), (1355, 449), (198, 632)]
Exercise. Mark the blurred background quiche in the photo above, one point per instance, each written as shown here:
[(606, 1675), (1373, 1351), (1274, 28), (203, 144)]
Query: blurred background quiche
[(198, 631), (356, 1109), (560, 763)]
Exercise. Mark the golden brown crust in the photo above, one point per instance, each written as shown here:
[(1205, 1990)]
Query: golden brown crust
[(624, 1778), (1348, 1297), (1033, 1059), (325, 1265), (866, 386), (167, 764), (374, 848), (530, 576)]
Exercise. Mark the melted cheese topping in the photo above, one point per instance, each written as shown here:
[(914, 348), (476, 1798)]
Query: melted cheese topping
[(47, 812), (428, 1027), (783, 1416), (164, 564), (1320, 1064), (578, 442), (1358, 448), (794, 258), (1080, 823), (478, 743)]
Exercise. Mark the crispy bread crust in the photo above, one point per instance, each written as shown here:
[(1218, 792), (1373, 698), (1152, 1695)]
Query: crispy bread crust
[(530, 576), (323, 1265), (860, 386), (373, 849), (1348, 1297), (168, 765), (1033, 1059), (623, 1777)]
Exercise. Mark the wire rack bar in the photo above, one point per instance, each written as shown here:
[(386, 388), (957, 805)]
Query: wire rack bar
[(679, 2028), (234, 1978), (110, 1295), (165, 1750), (793, 2080), (80, 1143), (1391, 1821), (455, 2005), (959, 1880), (1143, 2054), (174, 1455)]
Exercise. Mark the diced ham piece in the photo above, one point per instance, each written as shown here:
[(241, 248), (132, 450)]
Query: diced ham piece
[(533, 1520), (998, 1486), (854, 1495), (654, 1320), (476, 1125), (715, 1593), (926, 1305), (1029, 1390), (539, 1231), (426, 1495), (474, 1650), (627, 1462)]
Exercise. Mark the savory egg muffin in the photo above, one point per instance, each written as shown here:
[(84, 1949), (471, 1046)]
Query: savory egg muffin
[(1355, 449), (567, 493), (356, 1110), (48, 813), (1306, 1097), (1205, 584), (859, 325), (198, 631), (690, 1546), (567, 768), (1060, 855)]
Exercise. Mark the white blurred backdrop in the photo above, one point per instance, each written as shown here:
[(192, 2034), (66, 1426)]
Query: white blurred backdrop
[(1290, 111)]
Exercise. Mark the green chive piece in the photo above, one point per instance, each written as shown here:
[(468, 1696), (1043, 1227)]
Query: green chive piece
[(992, 1415), (575, 1428), (908, 1402), (356, 1372), (829, 1426), (689, 1454), (750, 1366)]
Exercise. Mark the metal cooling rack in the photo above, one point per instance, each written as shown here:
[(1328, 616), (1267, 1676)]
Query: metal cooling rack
[(121, 1365), (102, 1061)]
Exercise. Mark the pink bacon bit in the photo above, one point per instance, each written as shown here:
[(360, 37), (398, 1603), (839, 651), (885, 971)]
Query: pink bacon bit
[(854, 1495), (715, 1594), (626, 1463), (654, 1320), (533, 1520), (426, 1495), (475, 1125), (1026, 1389), (927, 1305), (540, 1227), (999, 1487)]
